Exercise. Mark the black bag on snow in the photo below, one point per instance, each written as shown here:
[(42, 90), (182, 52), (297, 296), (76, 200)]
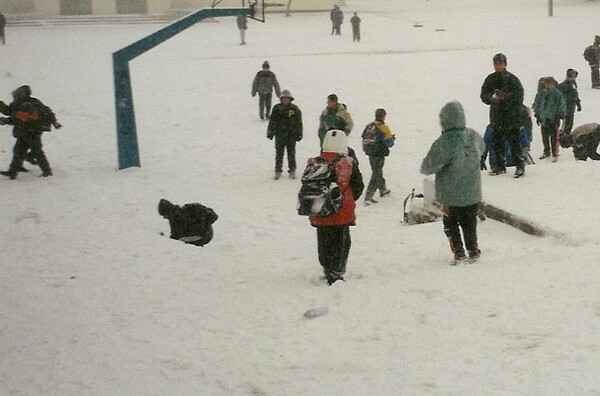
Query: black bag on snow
[(319, 195)]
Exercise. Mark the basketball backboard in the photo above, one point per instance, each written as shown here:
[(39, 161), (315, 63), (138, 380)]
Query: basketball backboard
[(257, 9)]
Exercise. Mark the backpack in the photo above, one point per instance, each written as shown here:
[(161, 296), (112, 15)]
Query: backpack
[(370, 142), (590, 55), (35, 114), (319, 195)]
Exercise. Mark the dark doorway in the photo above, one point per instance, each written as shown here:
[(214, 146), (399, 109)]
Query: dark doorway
[(132, 7), (75, 7)]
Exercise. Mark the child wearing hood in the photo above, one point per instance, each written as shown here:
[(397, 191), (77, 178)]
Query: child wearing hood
[(454, 158)]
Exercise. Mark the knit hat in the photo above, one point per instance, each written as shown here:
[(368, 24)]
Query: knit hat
[(597, 40), (572, 73), (286, 94), (335, 141), (265, 65)]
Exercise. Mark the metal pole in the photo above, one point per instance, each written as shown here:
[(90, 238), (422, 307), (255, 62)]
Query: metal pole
[(127, 143), (550, 8)]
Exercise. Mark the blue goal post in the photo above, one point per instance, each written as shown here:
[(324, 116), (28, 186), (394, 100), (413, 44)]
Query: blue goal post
[(127, 142)]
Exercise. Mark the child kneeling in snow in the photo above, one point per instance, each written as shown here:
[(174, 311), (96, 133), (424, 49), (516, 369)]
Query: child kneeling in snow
[(191, 223)]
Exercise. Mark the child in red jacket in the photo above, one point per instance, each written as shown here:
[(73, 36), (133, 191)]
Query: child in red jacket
[(333, 231)]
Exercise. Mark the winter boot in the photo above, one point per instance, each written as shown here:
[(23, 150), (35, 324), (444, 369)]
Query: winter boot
[(520, 172), (496, 171), (369, 201), (459, 258), (11, 174), (474, 255)]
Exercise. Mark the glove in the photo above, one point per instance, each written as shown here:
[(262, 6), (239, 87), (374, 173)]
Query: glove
[(270, 135), (499, 94), (3, 121), (57, 125), (482, 164), (578, 106), (298, 137), (537, 121)]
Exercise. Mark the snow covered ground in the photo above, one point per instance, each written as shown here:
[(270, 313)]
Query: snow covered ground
[(95, 301)]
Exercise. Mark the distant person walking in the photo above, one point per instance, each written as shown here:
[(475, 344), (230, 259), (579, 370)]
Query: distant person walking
[(569, 90), (377, 139), (454, 158), (285, 126), (263, 84), (2, 25), (355, 22), (337, 18), (242, 24), (592, 56), (503, 92)]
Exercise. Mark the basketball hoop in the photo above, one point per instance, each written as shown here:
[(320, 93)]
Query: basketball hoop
[(257, 8)]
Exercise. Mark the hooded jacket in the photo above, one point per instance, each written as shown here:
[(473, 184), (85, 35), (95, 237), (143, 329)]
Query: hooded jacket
[(27, 114), (337, 118), (191, 223), (454, 158), (286, 120), (550, 106)]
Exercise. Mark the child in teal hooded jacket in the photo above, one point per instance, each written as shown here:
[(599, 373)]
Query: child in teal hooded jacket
[(454, 158)]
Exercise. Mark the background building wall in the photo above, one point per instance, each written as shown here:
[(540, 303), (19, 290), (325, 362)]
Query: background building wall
[(152, 7)]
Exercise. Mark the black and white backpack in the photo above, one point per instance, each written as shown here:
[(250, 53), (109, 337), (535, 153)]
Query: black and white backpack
[(319, 195)]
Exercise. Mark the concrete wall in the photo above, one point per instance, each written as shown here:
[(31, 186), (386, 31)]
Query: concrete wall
[(109, 7), (297, 5)]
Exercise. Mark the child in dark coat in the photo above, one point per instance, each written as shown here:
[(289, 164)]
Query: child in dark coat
[(191, 223)]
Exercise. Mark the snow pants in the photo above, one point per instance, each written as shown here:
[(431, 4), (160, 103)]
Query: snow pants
[(264, 105), (333, 244), (355, 33), (465, 218), (377, 181), (29, 141), (569, 118), (550, 138), (283, 143), (512, 135), (595, 69)]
